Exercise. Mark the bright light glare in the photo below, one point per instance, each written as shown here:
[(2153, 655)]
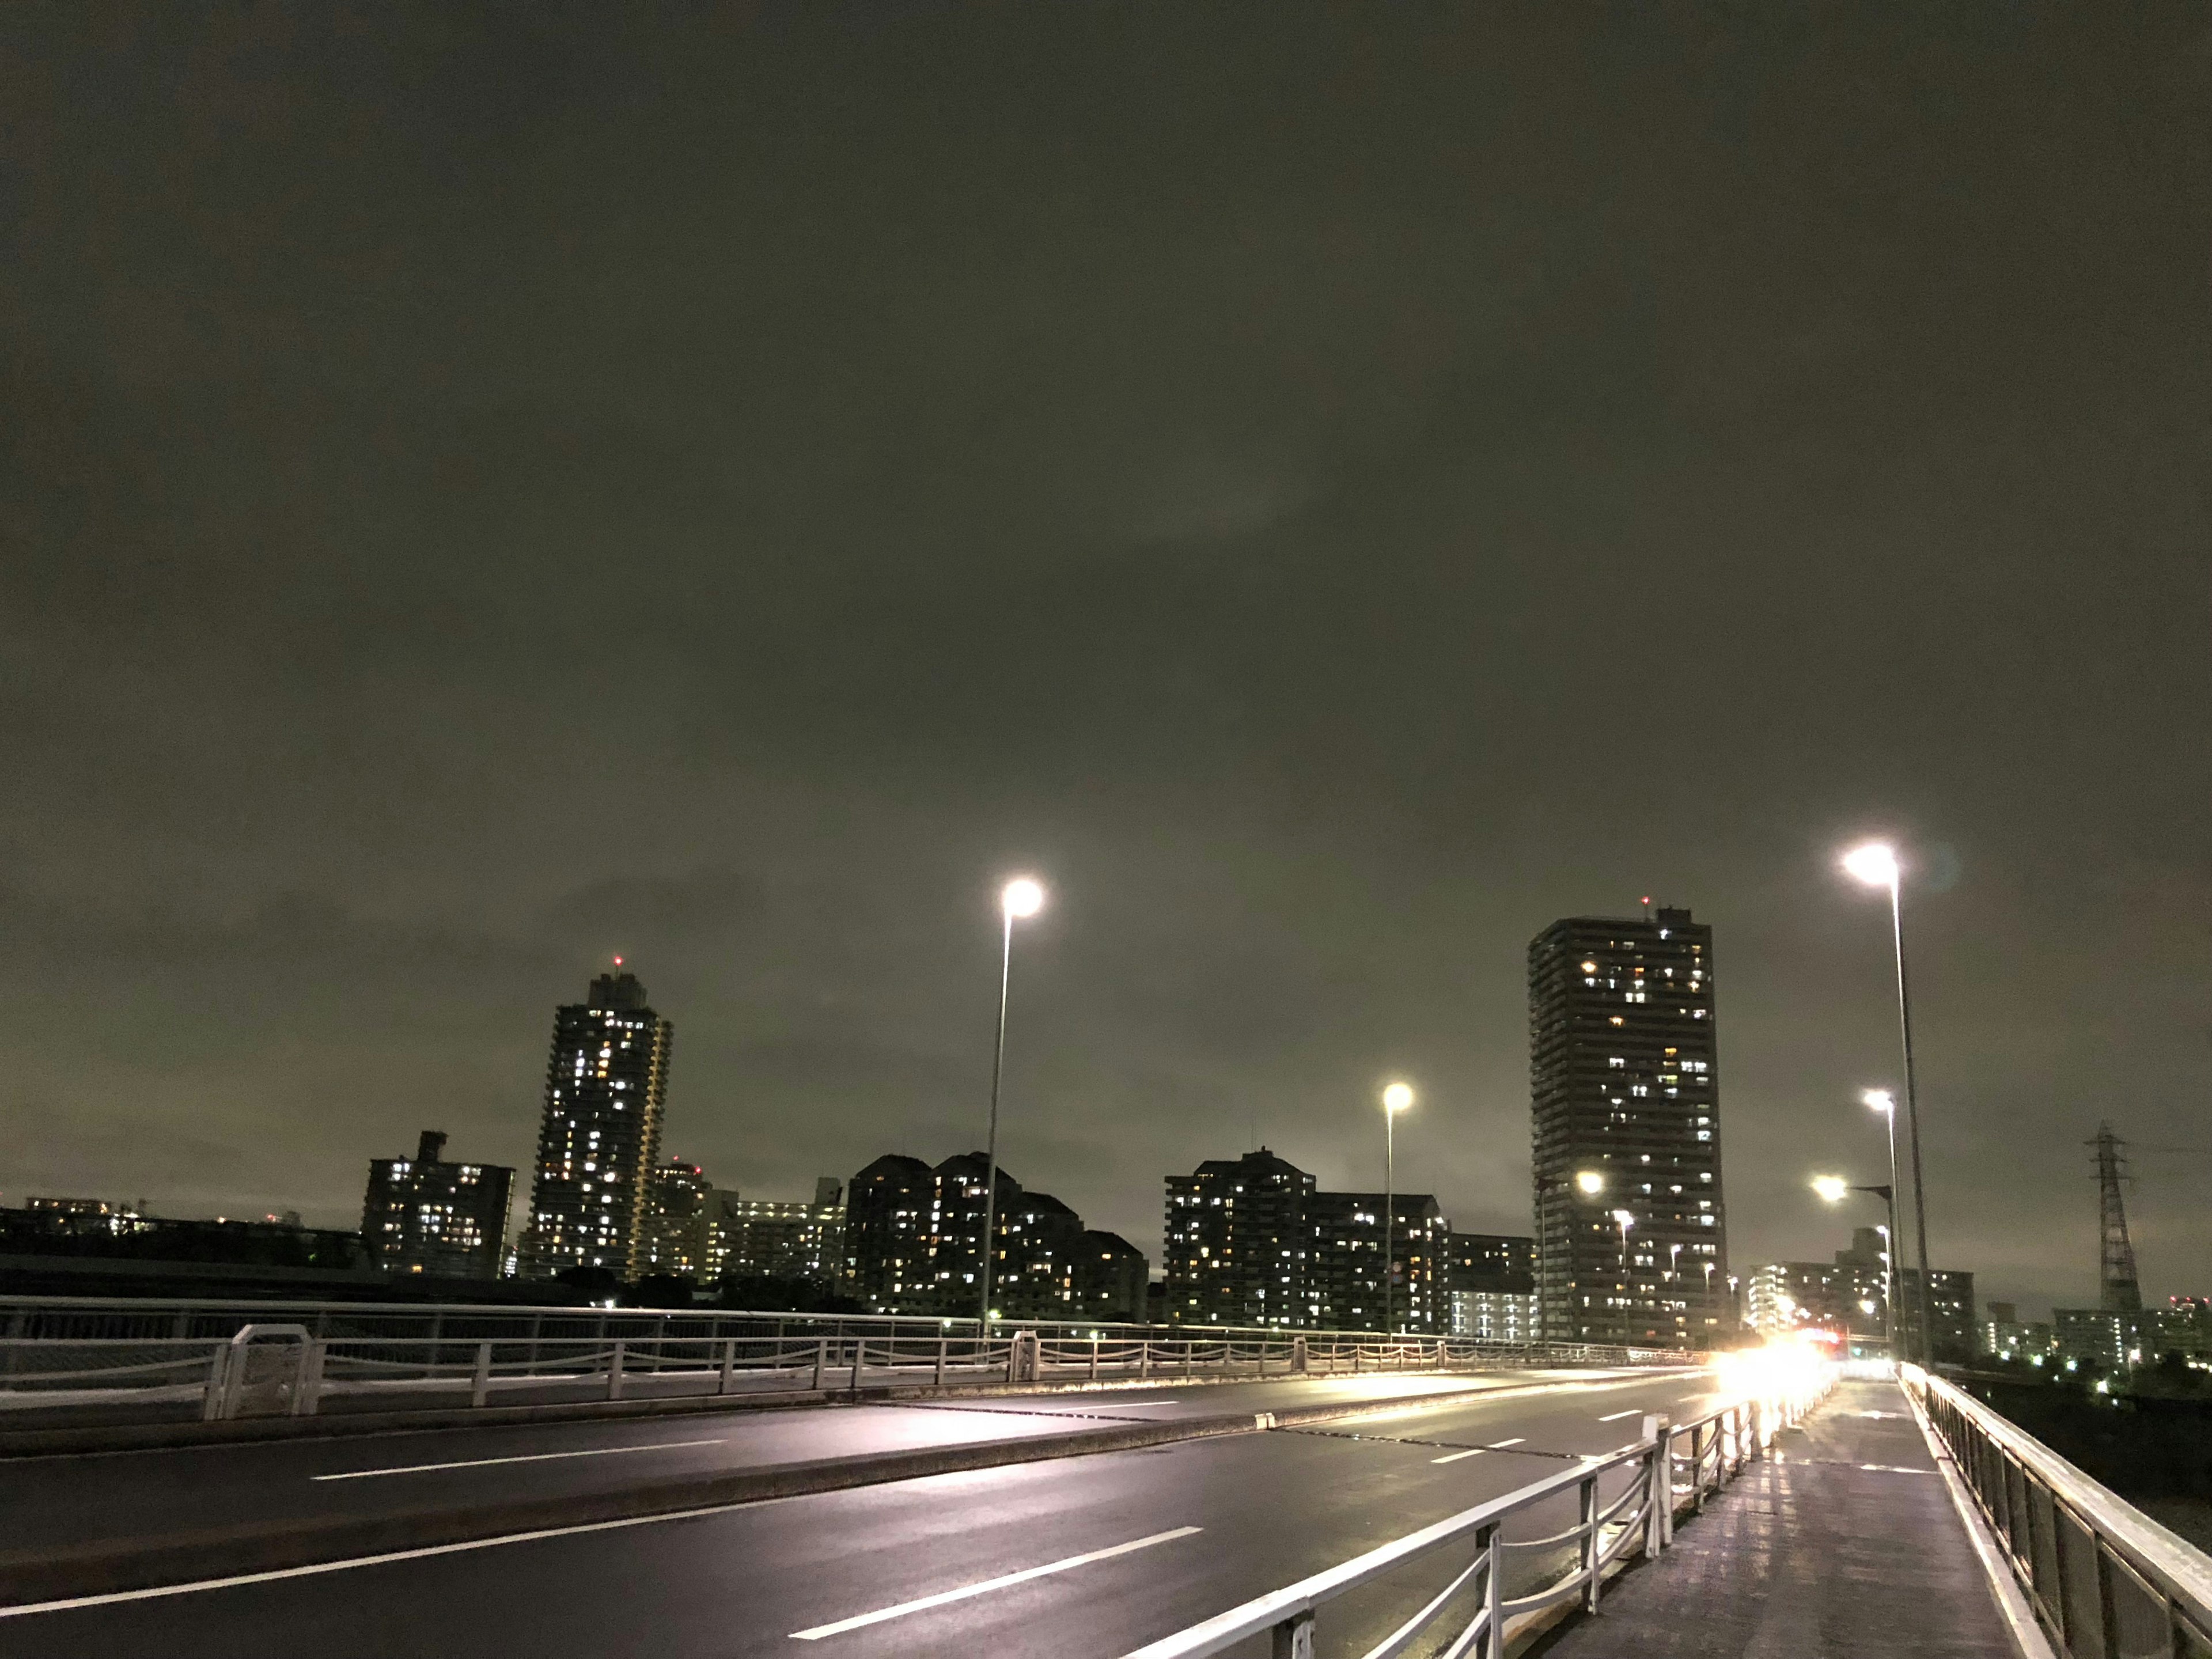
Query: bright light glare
[(1590, 1181), (1624, 1217), (1830, 1188), (1880, 1099), (1875, 864), (1397, 1097), (1023, 898)]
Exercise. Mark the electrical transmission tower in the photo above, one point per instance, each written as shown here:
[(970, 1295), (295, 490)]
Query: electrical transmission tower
[(2118, 1292)]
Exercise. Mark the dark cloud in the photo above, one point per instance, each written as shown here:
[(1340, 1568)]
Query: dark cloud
[(488, 488)]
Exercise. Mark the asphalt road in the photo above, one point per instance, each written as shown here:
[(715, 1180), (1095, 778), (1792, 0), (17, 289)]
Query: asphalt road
[(46, 1502), (1142, 1543)]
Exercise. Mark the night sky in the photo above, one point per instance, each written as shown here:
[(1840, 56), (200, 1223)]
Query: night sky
[(1329, 490)]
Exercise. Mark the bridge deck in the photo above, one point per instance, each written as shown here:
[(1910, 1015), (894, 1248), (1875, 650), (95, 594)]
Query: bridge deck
[(1845, 1543)]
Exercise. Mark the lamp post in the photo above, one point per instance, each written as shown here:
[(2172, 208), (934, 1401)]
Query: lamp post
[(1834, 1189), (1886, 1102), (1624, 1221), (1022, 897), (1396, 1097), (1875, 864)]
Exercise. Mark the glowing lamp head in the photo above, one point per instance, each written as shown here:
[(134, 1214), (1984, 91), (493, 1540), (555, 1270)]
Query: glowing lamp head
[(1875, 864), (1022, 897), (1624, 1219), (1831, 1188), (1590, 1181), (1396, 1097), (1880, 1099)]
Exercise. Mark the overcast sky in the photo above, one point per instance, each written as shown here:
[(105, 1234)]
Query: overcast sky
[(1329, 490)]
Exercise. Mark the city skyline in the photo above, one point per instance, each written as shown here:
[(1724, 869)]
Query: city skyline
[(1327, 524)]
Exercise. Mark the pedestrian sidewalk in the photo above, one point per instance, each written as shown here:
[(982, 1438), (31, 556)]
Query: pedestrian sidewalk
[(1844, 1542)]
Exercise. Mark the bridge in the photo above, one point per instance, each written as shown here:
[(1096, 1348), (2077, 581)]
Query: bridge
[(202, 1479)]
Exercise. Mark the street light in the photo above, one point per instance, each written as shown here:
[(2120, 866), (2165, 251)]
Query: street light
[(1834, 1189), (1875, 864), (1020, 898), (1886, 1102), (1396, 1097), (1625, 1220), (1590, 1181)]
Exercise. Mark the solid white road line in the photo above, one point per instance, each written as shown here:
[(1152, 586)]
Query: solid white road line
[(1500, 1445), (534, 1457), (1616, 1416), (1454, 1457), (989, 1584)]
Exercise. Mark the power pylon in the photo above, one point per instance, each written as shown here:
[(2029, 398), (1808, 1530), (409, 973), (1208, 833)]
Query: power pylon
[(2118, 1289)]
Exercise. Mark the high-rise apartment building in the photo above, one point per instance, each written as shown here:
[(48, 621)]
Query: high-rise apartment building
[(423, 1215), (598, 1141), (779, 1238), (1240, 1244), (679, 1221), (1632, 1229), (914, 1238), (888, 1230), (1346, 1273)]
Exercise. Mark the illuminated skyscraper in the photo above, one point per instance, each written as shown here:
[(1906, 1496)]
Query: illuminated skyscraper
[(1632, 1231), (599, 1138)]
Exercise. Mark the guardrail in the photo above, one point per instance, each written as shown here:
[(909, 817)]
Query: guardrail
[(287, 1368), (1652, 1481), (2107, 1582), (116, 1318)]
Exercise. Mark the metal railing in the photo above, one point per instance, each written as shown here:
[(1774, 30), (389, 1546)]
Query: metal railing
[(2107, 1582), (1626, 1504), (287, 1368), (87, 1354), (120, 1317)]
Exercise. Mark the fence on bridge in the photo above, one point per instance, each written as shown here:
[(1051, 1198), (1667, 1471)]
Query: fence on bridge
[(1621, 1505), (301, 1358), (2105, 1581)]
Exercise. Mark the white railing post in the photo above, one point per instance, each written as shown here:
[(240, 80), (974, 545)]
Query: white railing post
[(1094, 1356), (1658, 1520), (820, 1358), (218, 1377), (480, 1384), (729, 1363), (615, 1371), (1294, 1638), (1298, 1356), (1592, 1572), (307, 1395), (1486, 1544)]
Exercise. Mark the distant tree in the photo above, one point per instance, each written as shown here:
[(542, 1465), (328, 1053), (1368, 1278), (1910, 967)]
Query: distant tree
[(663, 1290), (767, 1295), (597, 1283)]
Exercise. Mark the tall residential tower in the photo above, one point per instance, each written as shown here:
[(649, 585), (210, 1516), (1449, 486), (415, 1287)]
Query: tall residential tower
[(599, 1139), (1632, 1229)]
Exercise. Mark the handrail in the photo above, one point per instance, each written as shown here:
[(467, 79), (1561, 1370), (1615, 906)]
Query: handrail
[(2005, 1468), (15, 1309), (1643, 1515)]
